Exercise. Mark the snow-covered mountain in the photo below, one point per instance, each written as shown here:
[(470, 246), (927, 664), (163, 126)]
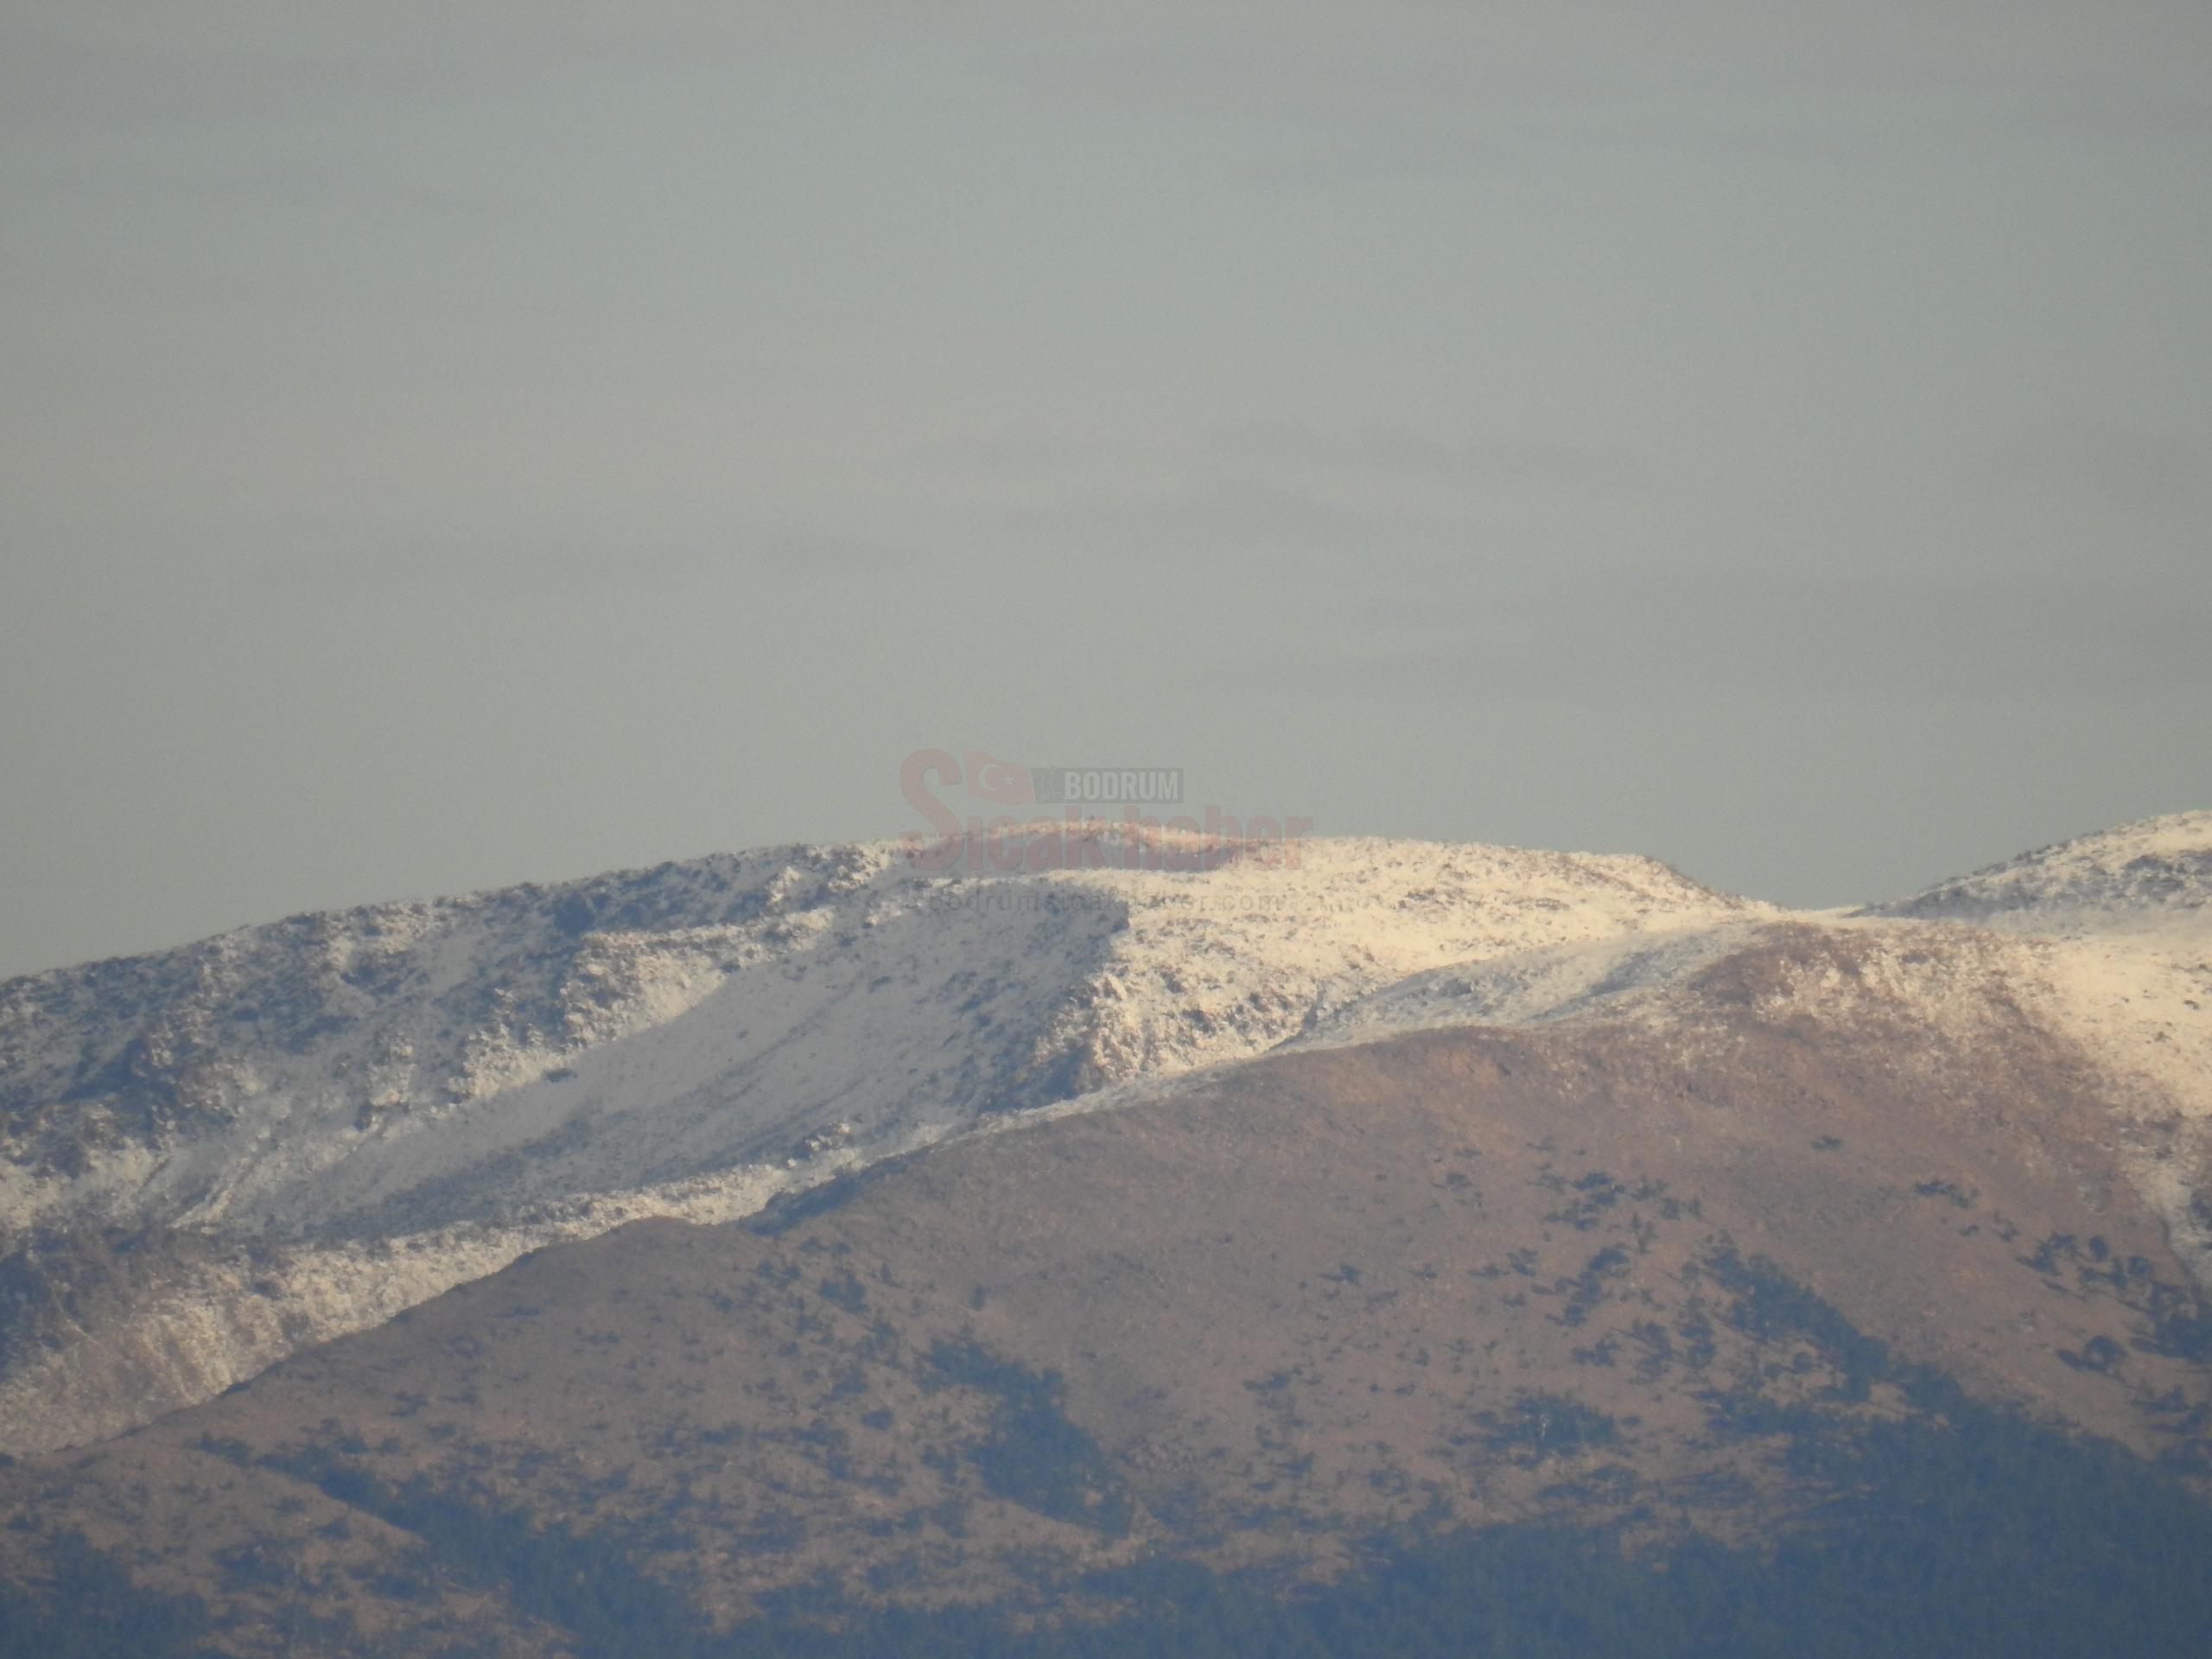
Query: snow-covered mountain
[(2152, 876), (2111, 931), (328, 1118), (211, 1156), (2120, 925), (344, 1073)]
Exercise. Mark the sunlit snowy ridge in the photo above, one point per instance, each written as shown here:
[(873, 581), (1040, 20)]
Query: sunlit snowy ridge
[(332, 1116)]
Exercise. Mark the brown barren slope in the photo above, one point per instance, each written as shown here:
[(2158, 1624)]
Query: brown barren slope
[(1447, 1278)]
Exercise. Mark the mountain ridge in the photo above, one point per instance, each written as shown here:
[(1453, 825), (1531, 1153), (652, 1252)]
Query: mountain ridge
[(1649, 1277), (337, 1116)]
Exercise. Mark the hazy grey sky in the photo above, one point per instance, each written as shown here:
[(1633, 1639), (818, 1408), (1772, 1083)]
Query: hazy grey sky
[(448, 445)]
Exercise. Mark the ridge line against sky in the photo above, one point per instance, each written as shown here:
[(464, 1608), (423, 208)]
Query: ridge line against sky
[(451, 445)]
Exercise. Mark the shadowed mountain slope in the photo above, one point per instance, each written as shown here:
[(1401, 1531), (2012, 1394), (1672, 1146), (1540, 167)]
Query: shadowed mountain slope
[(1633, 1270)]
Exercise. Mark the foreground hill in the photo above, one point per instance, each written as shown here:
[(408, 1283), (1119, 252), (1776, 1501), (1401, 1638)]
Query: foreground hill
[(1829, 1242)]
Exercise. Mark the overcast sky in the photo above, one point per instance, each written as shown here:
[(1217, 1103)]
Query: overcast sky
[(448, 445)]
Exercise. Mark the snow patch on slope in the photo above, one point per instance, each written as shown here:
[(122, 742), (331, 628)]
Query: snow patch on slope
[(2121, 923), (227, 1319), (1613, 977)]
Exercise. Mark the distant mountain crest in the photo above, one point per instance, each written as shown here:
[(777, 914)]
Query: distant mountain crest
[(2136, 875), (212, 1156)]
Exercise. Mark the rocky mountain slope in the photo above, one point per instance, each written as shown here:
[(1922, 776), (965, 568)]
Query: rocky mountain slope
[(1687, 1263), (2151, 876), (210, 1155), (737, 1252)]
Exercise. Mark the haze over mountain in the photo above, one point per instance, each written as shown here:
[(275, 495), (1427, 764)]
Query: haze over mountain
[(1222, 1216), (305, 1126), (323, 1120)]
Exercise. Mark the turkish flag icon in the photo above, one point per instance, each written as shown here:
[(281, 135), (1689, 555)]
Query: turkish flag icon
[(1002, 781)]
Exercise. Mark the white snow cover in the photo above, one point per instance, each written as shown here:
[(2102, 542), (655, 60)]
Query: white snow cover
[(480, 1058), (376, 1104), (2153, 876), (2121, 927)]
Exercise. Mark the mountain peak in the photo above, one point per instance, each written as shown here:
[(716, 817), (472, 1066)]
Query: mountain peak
[(338, 1116), (2150, 874)]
